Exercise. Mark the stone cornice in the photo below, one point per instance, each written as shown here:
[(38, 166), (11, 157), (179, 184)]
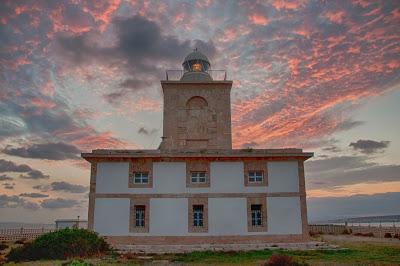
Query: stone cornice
[(234, 154)]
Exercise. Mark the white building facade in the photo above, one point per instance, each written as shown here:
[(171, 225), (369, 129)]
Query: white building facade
[(196, 189)]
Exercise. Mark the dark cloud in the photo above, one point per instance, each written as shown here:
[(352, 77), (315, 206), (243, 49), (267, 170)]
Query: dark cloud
[(5, 178), (145, 131), (337, 163), (333, 173), (34, 195), (8, 185), (332, 149), (348, 124), (15, 201), (42, 188), (34, 174), (140, 44), (9, 166), (68, 187), (320, 209), (49, 151), (369, 146), (58, 203)]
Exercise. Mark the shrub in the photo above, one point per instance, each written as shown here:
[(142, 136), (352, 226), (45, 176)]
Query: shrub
[(370, 234), (387, 235), (282, 260), (62, 244), (3, 246), (20, 241), (346, 232)]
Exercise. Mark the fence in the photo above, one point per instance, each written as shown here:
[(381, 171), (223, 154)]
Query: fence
[(215, 74), (13, 234), (378, 231)]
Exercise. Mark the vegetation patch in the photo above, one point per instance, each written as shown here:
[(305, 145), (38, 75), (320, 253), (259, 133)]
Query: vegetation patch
[(62, 244)]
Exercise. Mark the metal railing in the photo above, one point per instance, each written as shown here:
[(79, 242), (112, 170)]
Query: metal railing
[(177, 74)]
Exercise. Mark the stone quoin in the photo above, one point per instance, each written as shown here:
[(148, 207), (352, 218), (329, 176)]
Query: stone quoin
[(196, 189)]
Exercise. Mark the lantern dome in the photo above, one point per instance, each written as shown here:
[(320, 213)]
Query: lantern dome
[(195, 67)]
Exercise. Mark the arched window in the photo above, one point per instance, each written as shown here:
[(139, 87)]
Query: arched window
[(197, 114), (196, 102)]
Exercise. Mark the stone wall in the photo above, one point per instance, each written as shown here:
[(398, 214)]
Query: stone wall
[(378, 231)]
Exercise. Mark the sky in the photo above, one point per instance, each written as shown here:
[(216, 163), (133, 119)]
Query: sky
[(81, 75)]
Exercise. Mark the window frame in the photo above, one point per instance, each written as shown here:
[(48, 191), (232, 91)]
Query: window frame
[(140, 165), (253, 166), (198, 177), (192, 203), (141, 178), (197, 166), (198, 215), (140, 210), (253, 223), (254, 174), (256, 214), (136, 203)]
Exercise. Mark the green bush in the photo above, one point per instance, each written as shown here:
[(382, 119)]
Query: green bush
[(62, 244), (3, 246)]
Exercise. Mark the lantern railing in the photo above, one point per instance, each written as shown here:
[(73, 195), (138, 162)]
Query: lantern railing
[(215, 74)]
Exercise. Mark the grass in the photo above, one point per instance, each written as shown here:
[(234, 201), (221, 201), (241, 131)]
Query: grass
[(354, 253)]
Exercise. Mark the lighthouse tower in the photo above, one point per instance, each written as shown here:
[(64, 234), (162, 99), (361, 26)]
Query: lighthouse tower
[(197, 108)]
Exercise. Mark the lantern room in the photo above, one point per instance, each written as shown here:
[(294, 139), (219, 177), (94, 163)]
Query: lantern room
[(195, 67)]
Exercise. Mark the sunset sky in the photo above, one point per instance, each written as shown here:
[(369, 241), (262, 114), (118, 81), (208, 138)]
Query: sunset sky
[(81, 75)]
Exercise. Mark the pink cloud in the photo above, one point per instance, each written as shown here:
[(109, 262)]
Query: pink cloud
[(258, 19)]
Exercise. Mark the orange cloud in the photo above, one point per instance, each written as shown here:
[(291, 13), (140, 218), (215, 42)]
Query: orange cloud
[(290, 5), (336, 16), (258, 19)]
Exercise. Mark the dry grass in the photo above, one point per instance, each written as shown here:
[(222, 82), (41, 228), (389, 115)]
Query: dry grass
[(358, 251)]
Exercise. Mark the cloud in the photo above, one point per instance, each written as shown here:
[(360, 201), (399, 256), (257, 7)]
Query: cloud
[(49, 151), (15, 201), (369, 146), (332, 148), (320, 209), (139, 49), (33, 195), (58, 203), (337, 163), (34, 174), (348, 124), (337, 172), (8, 185), (9, 166), (5, 178), (68, 187)]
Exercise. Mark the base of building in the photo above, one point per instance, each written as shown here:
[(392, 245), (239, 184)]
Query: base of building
[(179, 244), (162, 249)]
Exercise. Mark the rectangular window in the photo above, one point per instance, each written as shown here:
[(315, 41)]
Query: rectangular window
[(199, 177), (140, 216), (198, 211), (256, 215), (255, 176), (140, 178)]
